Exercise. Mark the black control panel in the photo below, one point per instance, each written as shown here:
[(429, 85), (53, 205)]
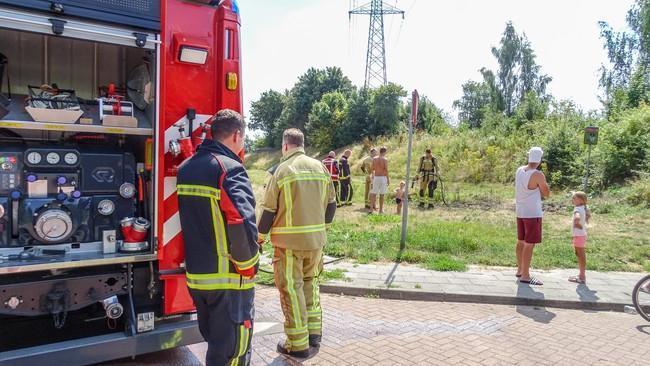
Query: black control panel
[(54, 195)]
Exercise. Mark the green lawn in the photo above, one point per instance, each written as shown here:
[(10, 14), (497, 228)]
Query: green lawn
[(478, 228)]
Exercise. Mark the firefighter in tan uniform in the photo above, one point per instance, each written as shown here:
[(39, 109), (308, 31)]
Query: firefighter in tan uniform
[(345, 177), (298, 205), (366, 168), (428, 175)]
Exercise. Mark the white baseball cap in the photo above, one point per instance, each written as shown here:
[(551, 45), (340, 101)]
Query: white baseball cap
[(535, 155)]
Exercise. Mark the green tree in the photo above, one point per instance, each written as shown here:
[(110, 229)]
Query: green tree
[(629, 60), (357, 118), (531, 108), (477, 97), (326, 119), (311, 86), (518, 75), (386, 109), (265, 114)]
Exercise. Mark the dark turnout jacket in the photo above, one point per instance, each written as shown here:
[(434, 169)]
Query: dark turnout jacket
[(217, 212)]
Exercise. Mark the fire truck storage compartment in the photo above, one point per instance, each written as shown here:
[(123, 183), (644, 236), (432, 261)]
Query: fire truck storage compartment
[(134, 13), (67, 188)]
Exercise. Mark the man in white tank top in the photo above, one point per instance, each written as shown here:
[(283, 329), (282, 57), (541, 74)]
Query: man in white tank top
[(530, 189)]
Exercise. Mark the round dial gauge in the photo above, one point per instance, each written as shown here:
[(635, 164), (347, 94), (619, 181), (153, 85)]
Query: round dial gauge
[(127, 190), (34, 158), (53, 226), (106, 207), (53, 158), (71, 158)]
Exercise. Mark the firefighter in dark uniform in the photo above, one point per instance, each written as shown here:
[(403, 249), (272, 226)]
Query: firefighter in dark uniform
[(345, 179), (428, 176), (217, 214)]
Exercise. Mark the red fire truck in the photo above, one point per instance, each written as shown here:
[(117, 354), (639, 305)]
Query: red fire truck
[(100, 101)]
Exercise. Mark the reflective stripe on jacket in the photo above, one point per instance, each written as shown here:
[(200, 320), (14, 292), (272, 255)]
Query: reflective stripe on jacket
[(428, 167), (332, 166), (298, 204), (217, 212)]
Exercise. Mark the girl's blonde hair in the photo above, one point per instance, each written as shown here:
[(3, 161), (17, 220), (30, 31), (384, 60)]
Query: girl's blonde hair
[(583, 197)]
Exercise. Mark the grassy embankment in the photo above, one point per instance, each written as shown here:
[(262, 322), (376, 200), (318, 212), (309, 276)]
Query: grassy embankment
[(478, 226)]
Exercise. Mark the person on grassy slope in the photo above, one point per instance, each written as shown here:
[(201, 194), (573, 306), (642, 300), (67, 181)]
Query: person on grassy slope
[(380, 180), (366, 168)]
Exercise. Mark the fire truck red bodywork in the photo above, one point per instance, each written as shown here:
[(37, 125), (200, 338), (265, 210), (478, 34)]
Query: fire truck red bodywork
[(183, 86)]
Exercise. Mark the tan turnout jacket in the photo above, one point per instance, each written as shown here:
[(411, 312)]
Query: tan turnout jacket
[(298, 204)]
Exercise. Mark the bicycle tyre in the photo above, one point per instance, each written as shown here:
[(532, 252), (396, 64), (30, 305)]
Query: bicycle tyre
[(635, 298)]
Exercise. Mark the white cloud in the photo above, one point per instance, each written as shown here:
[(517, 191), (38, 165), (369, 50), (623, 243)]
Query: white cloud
[(439, 45)]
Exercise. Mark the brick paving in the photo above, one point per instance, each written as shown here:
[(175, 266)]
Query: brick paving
[(370, 331)]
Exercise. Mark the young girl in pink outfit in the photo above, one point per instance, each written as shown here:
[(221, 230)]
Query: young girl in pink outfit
[(581, 216)]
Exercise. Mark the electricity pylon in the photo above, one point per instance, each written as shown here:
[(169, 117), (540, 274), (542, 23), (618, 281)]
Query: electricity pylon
[(376, 56)]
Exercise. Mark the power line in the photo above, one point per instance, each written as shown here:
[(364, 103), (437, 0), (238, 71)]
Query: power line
[(376, 55)]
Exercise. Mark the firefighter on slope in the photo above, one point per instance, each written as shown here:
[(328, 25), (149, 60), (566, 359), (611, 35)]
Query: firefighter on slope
[(366, 168), (428, 176), (217, 214), (345, 179), (332, 166), (298, 205)]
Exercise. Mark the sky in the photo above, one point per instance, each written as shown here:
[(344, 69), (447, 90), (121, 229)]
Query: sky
[(437, 47)]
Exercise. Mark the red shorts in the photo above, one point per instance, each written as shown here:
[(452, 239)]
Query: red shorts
[(529, 230)]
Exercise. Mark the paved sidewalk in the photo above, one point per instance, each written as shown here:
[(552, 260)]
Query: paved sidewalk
[(365, 331), (495, 285)]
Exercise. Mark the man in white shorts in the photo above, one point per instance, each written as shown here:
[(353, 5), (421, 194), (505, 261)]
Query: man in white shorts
[(380, 180)]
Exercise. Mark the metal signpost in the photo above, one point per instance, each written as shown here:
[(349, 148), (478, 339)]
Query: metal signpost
[(591, 139), (415, 98)]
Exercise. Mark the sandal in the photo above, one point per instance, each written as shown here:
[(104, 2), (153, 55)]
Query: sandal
[(576, 279), (532, 281)]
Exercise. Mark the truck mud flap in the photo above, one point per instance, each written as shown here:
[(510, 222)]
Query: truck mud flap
[(103, 348)]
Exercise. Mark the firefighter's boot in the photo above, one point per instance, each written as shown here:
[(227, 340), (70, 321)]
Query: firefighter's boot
[(282, 348), (314, 340)]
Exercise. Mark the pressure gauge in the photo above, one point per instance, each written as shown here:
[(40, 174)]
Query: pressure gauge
[(53, 226), (71, 158), (127, 190), (34, 158), (53, 158), (106, 207)]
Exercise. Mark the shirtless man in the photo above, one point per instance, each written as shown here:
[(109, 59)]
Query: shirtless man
[(380, 180)]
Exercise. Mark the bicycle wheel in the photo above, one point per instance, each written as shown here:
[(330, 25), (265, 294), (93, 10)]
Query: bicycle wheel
[(641, 297)]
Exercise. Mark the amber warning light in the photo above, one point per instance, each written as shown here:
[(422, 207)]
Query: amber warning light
[(193, 55)]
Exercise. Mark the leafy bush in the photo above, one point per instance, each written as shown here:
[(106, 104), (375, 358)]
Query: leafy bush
[(625, 147), (640, 193)]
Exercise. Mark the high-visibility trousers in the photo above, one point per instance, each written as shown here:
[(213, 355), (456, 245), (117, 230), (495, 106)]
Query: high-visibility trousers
[(346, 191), (366, 193), (428, 183), (226, 322), (297, 275), (337, 189)]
